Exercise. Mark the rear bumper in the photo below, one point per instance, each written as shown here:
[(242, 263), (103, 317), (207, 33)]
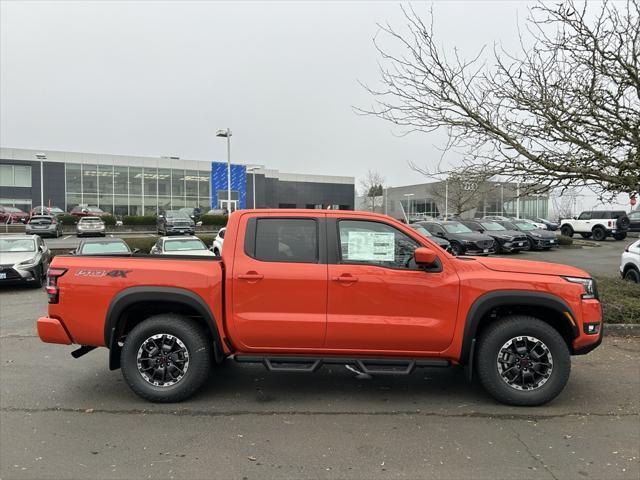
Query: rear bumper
[(51, 330)]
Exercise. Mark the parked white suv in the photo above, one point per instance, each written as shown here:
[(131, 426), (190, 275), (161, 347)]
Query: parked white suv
[(630, 262), (598, 224), (218, 242)]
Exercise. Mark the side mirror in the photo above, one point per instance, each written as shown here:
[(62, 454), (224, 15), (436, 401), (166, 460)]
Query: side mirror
[(440, 234), (72, 252), (425, 256), (575, 218), (160, 216), (135, 250)]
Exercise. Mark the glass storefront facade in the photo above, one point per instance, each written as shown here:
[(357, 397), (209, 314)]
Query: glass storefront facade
[(124, 190)]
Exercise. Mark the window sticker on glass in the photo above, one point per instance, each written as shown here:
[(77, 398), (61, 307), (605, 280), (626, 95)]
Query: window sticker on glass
[(371, 246)]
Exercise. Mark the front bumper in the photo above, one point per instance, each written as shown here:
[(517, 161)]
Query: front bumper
[(11, 275), (180, 230), (591, 315), (51, 330)]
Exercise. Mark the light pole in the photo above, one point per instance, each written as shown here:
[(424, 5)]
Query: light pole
[(253, 177), (409, 195), (446, 199), (41, 157), (227, 134)]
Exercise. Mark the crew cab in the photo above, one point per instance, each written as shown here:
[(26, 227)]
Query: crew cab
[(598, 224), (298, 289)]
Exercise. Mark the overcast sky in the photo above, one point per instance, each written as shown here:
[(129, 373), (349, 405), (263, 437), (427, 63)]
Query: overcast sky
[(155, 79), (152, 79)]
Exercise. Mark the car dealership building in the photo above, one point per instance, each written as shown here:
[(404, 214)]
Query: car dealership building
[(133, 185)]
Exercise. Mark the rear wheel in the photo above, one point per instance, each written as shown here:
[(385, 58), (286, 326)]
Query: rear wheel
[(166, 358), (522, 360), (620, 236), (599, 234), (566, 230)]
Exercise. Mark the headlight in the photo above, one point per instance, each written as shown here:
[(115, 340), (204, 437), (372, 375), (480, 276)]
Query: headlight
[(588, 285), (28, 263)]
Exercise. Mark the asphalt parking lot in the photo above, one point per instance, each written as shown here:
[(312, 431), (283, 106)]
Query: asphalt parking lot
[(66, 418), (603, 259)]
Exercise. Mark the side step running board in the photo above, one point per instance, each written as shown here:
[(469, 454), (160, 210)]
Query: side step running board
[(370, 366)]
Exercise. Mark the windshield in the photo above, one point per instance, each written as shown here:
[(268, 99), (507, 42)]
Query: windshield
[(17, 245), (176, 214), (456, 228), (90, 220), (184, 244), (525, 226), (422, 231), (106, 247), (492, 226), (13, 209), (95, 209)]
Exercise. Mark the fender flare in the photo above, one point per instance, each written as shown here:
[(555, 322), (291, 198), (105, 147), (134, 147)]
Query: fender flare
[(130, 296), (504, 298)]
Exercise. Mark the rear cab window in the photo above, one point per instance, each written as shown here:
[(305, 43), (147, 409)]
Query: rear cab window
[(283, 240)]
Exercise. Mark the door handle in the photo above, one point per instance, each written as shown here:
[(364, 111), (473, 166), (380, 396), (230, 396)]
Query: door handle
[(251, 276), (345, 279)]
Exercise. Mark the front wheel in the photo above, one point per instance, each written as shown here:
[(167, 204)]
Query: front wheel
[(523, 361), (166, 358), (632, 275), (566, 230), (457, 249)]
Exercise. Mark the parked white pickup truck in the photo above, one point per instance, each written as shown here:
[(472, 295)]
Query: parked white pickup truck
[(598, 224)]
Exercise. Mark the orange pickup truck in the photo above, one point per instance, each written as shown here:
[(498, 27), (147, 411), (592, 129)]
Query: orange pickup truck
[(298, 289)]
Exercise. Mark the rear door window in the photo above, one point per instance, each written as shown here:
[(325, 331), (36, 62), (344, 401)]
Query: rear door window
[(286, 240)]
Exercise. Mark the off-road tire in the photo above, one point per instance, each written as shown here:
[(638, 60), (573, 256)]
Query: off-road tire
[(494, 337), (599, 234), (620, 236), (623, 222), (199, 349), (566, 230)]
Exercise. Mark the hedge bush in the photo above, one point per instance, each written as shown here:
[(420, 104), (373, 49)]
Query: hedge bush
[(67, 219), (139, 220), (564, 240), (219, 220), (109, 220), (620, 300)]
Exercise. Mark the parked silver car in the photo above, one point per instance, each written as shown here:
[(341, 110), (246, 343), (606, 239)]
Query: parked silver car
[(90, 226), (44, 225), (23, 259)]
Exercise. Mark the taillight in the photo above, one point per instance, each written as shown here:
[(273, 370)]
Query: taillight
[(52, 283)]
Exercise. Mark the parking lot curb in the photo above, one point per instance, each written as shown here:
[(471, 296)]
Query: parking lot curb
[(622, 329)]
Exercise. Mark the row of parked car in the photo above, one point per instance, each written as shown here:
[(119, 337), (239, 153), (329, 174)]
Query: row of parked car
[(487, 235)]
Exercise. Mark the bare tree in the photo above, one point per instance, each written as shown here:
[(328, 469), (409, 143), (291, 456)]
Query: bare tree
[(563, 111), (563, 203), (372, 189)]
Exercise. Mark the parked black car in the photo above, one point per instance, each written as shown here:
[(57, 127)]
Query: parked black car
[(175, 222), (463, 240), (23, 259), (634, 221), (506, 240), (440, 241), (44, 225), (538, 239), (102, 246)]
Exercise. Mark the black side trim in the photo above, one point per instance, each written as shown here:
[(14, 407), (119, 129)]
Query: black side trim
[(133, 295), (506, 298), (368, 365)]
